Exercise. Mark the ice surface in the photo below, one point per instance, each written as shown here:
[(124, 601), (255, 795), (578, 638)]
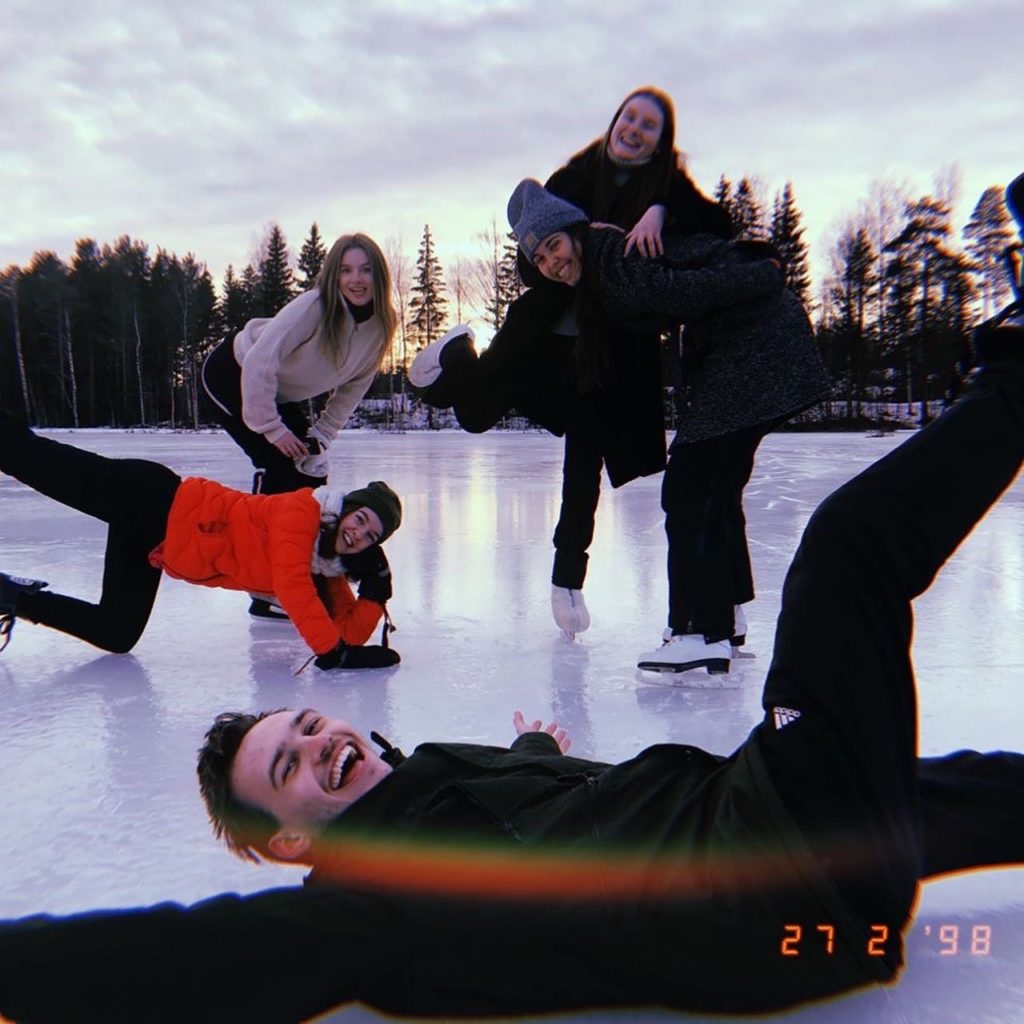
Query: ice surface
[(98, 795)]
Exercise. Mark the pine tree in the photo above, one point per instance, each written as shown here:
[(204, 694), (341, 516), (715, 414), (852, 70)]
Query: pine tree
[(787, 236), (921, 261), (723, 194), (9, 282), (90, 313), (511, 282), (852, 289), (235, 305), (987, 235), (747, 215), (130, 271), (252, 289), (276, 277), (428, 304), (311, 258), (488, 278), (194, 302)]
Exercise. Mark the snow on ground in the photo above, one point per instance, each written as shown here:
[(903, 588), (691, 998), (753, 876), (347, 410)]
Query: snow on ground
[(98, 793)]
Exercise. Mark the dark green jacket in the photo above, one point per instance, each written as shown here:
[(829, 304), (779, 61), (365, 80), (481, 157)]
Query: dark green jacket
[(714, 871)]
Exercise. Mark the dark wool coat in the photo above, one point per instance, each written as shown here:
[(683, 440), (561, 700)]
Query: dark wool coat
[(705, 937), (751, 354), (687, 210), (529, 368)]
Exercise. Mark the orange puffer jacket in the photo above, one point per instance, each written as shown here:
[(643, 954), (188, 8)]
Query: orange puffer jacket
[(263, 543)]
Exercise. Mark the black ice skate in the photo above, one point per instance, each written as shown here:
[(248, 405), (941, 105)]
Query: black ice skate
[(11, 588), (261, 609)]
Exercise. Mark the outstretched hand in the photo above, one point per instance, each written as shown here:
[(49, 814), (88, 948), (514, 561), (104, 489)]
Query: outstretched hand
[(646, 233), (560, 736)]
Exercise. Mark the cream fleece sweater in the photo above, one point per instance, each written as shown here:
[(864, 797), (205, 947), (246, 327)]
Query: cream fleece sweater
[(282, 361)]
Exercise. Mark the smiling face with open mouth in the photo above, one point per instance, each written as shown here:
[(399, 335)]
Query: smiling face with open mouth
[(357, 531), (559, 258), (355, 279), (304, 769), (637, 130)]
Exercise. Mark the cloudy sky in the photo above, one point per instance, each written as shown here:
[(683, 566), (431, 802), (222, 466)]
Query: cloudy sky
[(194, 124)]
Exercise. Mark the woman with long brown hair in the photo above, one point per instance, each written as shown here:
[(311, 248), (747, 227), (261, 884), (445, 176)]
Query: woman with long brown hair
[(330, 339)]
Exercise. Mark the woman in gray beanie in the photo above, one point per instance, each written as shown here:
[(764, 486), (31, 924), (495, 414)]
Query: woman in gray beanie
[(751, 363)]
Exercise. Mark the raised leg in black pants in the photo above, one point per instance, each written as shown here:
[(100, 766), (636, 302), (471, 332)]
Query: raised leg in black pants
[(133, 496), (840, 730)]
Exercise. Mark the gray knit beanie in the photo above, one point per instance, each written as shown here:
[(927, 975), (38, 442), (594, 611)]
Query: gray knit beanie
[(534, 213)]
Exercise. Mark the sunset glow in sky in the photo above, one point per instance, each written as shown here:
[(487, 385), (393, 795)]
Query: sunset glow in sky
[(194, 125)]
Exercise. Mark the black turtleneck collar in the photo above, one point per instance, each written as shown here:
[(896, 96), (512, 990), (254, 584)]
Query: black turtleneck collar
[(360, 313)]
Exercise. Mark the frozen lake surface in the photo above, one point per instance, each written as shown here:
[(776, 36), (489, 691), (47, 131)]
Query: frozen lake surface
[(98, 796)]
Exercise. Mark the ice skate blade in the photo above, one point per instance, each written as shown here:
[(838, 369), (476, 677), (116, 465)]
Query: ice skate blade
[(264, 610), (716, 681), (714, 666)]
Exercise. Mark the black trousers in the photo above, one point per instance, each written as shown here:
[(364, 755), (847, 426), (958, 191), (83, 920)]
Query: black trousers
[(222, 385), (581, 491), (708, 559), (132, 496), (840, 726)]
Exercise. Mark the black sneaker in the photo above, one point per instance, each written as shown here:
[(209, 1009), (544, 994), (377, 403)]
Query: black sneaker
[(261, 609), (11, 588)]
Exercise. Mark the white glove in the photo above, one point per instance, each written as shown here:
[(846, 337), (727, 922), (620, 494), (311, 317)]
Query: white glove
[(313, 465), (569, 610), (315, 431), (426, 367)]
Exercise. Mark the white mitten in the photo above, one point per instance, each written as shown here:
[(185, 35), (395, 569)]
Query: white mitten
[(426, 367), (569, 610), (313, 465), (316, 432)]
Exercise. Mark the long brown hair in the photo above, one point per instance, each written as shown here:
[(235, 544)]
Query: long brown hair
[(332, 304)]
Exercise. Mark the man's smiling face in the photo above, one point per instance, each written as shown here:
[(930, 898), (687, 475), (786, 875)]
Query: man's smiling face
[(304, 769)]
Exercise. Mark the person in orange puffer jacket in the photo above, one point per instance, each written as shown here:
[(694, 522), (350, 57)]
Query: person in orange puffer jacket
[(301, 548)]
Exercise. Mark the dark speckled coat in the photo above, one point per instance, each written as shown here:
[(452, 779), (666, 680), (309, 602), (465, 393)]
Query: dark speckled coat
[(749, 347)]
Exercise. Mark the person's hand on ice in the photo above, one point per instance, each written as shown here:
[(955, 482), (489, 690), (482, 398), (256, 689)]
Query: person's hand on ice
[(349, 656), (554, 730), (569, 610)]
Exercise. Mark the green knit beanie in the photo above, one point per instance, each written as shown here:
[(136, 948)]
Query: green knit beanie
[(378, 497)]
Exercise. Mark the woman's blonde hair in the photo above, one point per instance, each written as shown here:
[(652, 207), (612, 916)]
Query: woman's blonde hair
[(332, 304)]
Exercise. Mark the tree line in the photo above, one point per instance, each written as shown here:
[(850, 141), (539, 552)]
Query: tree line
[(116, 336)]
